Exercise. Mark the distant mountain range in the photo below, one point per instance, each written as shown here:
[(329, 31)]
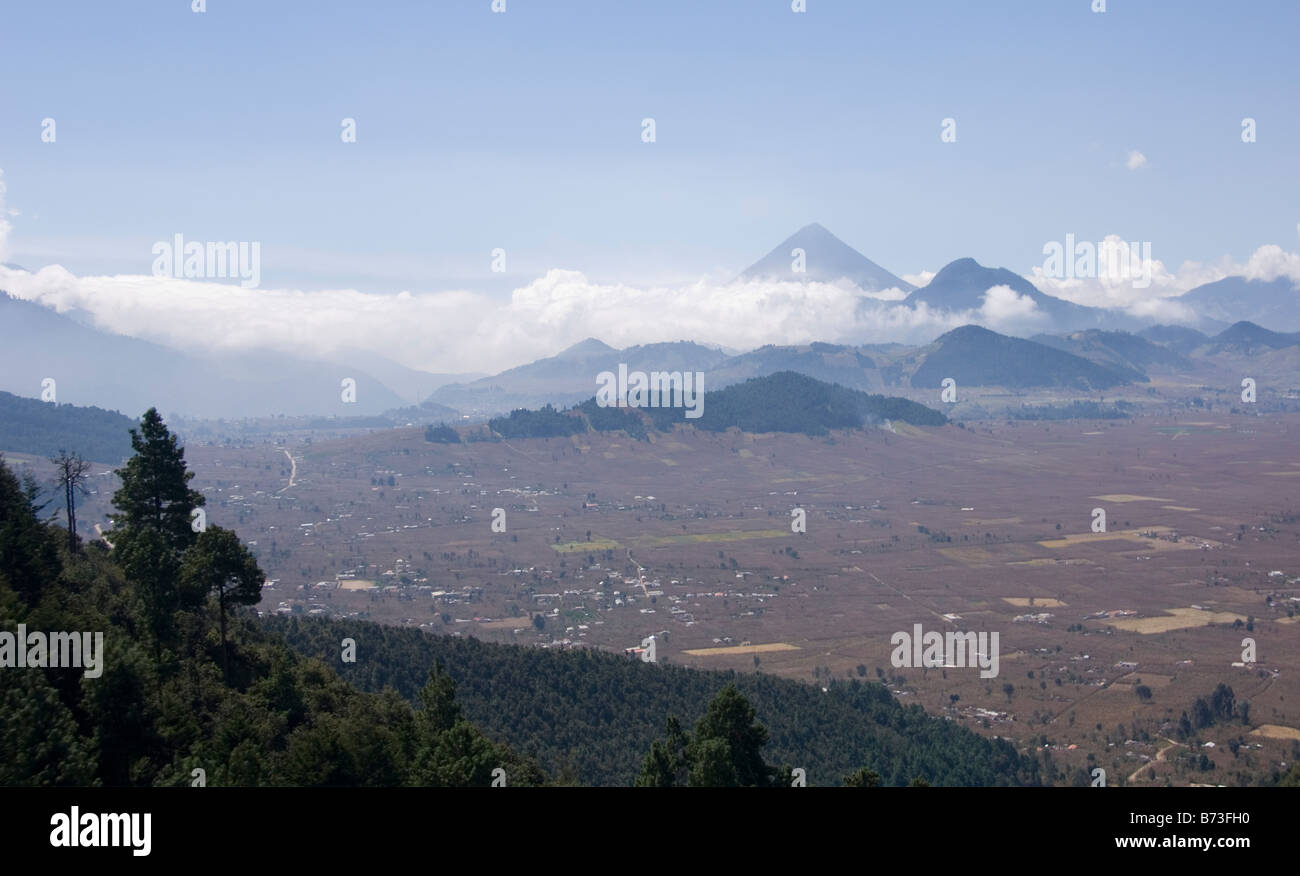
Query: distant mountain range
[(962, 284), (90, 366), (1273, 303), (569, 376), (972, 355), (807, 388)]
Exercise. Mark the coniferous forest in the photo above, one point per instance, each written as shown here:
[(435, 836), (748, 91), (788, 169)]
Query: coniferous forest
[(190, 681), (591, 717)]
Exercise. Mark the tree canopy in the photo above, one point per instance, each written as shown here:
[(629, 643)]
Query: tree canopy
[(174, 704)]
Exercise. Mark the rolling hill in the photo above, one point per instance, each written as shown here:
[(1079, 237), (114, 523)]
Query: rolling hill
[(1246, 338), (1126, 354), (791, 402), (975, 356), (570, 376), (1180, 339), (781, 402), (832, 363), (43, 429), (595, 714)]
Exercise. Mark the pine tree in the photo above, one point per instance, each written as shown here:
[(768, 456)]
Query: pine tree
[(863, 778), (27, 556), (729, 721), (155, 491), (152, 526), (724, 751), (656, 768), (218, 564)]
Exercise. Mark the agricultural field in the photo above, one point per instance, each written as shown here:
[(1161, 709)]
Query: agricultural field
[(1106, 638)]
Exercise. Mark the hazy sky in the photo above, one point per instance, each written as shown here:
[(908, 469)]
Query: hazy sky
[(523, 131)]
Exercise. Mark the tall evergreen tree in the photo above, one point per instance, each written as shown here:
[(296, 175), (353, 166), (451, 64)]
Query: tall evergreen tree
[(218, 564), (729, 727), (152, 526), (657, 768), (725, 750), (27, 556), (155, 492)]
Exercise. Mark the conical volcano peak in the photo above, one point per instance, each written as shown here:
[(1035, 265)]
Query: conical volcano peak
[(814, 254)]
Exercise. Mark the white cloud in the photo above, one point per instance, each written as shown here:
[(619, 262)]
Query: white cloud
[(464, 331), (1135, 160), (460, 330), (1128, 277), (1003, 306), (1169, 311), (1270, 262), (920, 278), (893, 293)]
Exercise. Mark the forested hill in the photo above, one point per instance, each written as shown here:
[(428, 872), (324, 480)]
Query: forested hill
[(179, 681), (591, 716), (28, 425), (782, 402), (791, 402)]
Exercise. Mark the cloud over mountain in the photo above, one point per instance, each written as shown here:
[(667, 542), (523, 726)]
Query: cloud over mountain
[(460, 330)]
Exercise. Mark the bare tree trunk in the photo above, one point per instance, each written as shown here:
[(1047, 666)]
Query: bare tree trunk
[(71, 471), (72, 518)]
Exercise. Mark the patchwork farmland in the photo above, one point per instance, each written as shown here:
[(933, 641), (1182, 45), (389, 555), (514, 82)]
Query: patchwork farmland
[(1106, 638)]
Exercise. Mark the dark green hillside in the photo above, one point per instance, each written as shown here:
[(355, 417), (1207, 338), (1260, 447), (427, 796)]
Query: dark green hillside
[(790, 402), (441, 434), (612, 419), (544, 423), (594, 715), (28, 425), (184, 683), (781, 402)]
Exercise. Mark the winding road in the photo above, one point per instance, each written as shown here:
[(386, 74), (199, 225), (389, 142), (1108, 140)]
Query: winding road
[(1160, 756), (293, 471)]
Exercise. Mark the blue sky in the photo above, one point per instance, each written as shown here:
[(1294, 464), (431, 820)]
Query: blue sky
[(522, 130)]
